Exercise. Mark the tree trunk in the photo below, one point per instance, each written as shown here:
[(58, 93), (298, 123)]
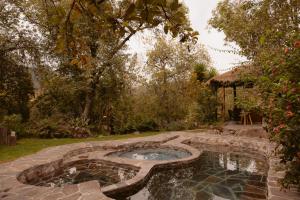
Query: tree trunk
[(89, 98), (92, 87), (165, 97), (88, 105)]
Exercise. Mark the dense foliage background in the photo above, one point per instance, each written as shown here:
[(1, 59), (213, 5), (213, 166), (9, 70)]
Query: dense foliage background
[(66, 70)]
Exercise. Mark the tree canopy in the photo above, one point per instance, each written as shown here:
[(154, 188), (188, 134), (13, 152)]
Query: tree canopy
[(74, 53)]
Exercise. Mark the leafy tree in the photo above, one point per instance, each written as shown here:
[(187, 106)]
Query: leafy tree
[(85, 22), (15, 89), (206, 99), (64, 94), (75, 51), (17, 49), (204, 73), (267, 32), (171, 67)]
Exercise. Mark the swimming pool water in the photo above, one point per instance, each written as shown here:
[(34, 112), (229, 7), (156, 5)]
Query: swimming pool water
[(153, 154), (215, 176)]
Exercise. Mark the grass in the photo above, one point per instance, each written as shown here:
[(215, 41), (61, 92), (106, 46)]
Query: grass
[(32, 145)]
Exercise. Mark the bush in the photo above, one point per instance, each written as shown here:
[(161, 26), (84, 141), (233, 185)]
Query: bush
[(281, 88), (147, 125), (207, 105), (176, 126), (60, 128), (128, 128)]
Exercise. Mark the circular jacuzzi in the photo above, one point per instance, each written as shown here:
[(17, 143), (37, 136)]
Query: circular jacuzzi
[(152, 153), (57, 174)]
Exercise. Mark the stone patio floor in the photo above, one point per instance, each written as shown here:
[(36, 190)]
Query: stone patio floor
[(13, 175)]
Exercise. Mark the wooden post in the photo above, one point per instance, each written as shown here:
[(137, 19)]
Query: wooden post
[(12, 139), (224, 108), (225, 160), (236, 114), (3, 136), (216, 111), (234, 95)]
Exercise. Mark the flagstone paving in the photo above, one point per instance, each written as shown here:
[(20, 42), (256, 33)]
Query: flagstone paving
[(20, 179)]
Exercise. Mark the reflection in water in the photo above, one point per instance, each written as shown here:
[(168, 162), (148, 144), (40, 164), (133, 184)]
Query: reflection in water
[(215, 176), (238, 162)]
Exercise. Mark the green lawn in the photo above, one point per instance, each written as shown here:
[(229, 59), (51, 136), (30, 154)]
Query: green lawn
[(32, 145)]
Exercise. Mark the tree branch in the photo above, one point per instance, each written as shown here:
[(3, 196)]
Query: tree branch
[(125, 40), (70, 12)]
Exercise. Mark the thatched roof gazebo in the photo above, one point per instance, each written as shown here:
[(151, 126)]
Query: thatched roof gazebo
[(228, 79), (233, 78)]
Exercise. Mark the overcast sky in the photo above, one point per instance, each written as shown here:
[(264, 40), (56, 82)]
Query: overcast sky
[(200, 12)]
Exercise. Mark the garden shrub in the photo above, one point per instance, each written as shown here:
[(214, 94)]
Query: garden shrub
[(281, 86), (207, 105), (127, 128), (147, 125), (56, 127), (267, 33), (176, 125)]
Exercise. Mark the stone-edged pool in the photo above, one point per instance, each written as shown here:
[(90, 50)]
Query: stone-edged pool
[(215, 176), (212, 167), (86, 170)]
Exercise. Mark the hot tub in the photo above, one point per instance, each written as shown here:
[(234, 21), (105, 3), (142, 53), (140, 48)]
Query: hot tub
[(152, 153)]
